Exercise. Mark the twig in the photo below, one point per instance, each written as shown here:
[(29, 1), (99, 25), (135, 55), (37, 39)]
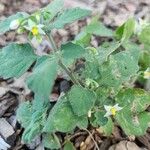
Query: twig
[(92, 138)]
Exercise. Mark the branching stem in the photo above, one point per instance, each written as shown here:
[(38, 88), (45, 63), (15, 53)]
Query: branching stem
[(55, 49)]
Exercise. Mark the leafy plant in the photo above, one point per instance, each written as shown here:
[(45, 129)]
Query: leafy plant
[(103, 92)]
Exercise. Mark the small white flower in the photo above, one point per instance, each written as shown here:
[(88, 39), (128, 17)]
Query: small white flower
[(3, 145), (111, 110), (36, 29), (147, 74), (14, 24)]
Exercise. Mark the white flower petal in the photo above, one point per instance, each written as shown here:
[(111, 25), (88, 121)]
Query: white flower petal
[(41, 31), (27, 28), (31, 23), (107, 108), (107, 114), (41, 25), (117, 107)]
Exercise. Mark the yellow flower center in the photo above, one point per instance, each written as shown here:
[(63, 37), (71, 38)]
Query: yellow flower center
[(113, 111), (35, 31)]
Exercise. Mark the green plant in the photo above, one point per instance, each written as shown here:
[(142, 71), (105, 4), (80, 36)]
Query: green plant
[(103, 91)]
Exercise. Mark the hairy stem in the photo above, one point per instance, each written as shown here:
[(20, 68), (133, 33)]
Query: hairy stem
[(69, 73), (50, 38)]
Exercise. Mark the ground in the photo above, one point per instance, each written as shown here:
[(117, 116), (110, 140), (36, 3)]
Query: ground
[(14, 91)]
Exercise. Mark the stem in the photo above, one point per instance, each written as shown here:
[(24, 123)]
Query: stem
[(72, 77), (50, 38)]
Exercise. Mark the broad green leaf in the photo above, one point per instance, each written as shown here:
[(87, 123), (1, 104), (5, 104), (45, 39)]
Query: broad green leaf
[(51, 141), (145, 36), (98, 119), (97, 28), (62, 118), (135, 99), (32, 116), (4, 24), (69, 16), (70, 52), (24, 114), (69, 146), (42, 79), (106, 49), (15, 60), (83, 38), (54, 7), (91, 69), (119, 69), (83, 102), (133, 118), (108, 127), (127, 64), (125, 31)]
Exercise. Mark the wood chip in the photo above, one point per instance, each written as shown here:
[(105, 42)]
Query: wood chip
[(3, 144), (7, 131)]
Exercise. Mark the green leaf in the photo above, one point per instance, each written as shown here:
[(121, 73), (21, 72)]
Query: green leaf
[(133, 118), (4, 24), (98, 119), (97, 28), (120, 68), (70, 52), (106, 49), (83, 38), (54, 7), (69, 16), (69, 146), (125, 31), (42, 79), (91, 69), (62, 118), (108, 127), (83, 102), (15, 60), (51, 141), (24, 113), (145, 36), (32, 116)]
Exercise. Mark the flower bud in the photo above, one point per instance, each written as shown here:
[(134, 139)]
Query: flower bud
[(14, 24)]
